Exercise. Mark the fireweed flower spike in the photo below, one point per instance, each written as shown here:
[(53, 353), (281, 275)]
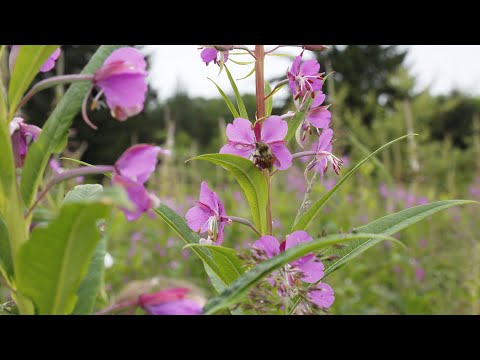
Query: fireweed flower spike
[(309, 267), (264, 144), (21, 134), (208, 216), (47, 66), (132, 171), (304, 78), (121, 79), (214, 53), (169, 302), (323, 155)]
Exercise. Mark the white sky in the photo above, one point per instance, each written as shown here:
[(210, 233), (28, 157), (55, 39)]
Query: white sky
[(442, 67)]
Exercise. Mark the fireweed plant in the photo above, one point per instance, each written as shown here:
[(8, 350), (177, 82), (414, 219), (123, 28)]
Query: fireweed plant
[(54, 264)]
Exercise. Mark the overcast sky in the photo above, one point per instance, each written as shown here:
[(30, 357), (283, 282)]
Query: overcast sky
[(442, 67)]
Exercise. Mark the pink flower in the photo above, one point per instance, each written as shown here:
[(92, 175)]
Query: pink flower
[(310, 268), (304, 79), (309, 265), (322, 295), (317, 116), (132, 171), (208, 215), (122, 79), (47, 66), (214, 53), (50, 63), (419, 273), (264, 144), (169, 302), (324, 154), (21, 134)]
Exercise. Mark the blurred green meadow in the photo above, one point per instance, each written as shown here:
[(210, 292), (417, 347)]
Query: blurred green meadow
[(373, 102)]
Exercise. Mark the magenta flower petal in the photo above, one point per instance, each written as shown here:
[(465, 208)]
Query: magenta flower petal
[(208, 55), (50, 63), (141, 199), (122, 79), (311, 267), (320, 117), (269, 244), (179, 307), (322, 295), (125, 94), (283, 156), (197, 219), (128, 55), (274, 129), (325, 140), (240, 131), (209, 198), (297, 237), (319, 99), (138, 162), (208, 215), (310, 67), (244, 151), (21, 134)]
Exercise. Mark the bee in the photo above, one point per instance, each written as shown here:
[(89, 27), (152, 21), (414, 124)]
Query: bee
[(263, 157)]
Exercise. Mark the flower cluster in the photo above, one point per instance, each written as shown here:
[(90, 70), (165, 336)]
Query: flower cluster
[(308, 269)]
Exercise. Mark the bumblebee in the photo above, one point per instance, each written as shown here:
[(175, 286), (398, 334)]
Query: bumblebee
[(263, 157)]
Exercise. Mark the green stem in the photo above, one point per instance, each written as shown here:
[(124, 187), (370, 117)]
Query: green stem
[(260, 80), (69, 174), (245, 222), (53, 81), (266, 173)]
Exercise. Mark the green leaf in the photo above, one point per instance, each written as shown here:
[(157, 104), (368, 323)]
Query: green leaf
[(6, 264), (94, 193), (240, 104), (230, 105), (251, 72), (53, 263), (90, 286), (29, 61), (251, 181), (82, 192), (225, 258), (269, 102), (305, 220), (56, 128), (387, 225), (297, 119), (179, 225), (234, 293)]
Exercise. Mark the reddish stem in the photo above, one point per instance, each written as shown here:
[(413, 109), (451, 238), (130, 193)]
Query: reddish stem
[(260, 80)]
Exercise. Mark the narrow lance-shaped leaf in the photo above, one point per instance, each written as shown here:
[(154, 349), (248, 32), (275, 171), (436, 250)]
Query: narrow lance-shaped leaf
[(306, 219), (225, 258), (56, 128), (230, 105), (251, 181), (179, 225), (239, 288), (387, 225), (269, 101), (241, 106)]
